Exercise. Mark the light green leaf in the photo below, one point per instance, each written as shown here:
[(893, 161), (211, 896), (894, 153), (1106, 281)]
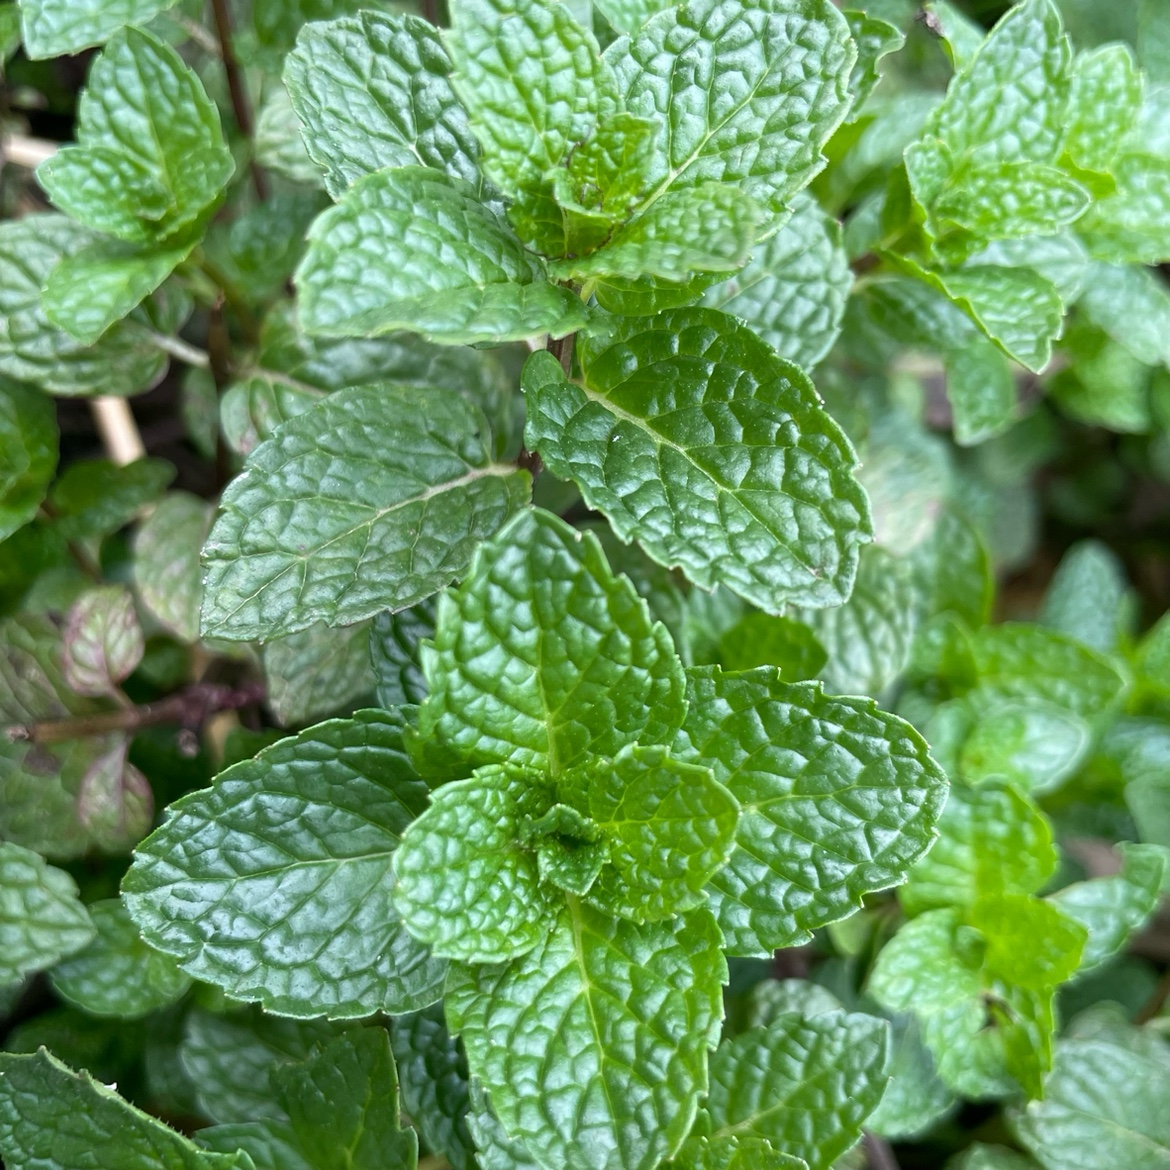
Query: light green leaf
[(275, 884), (54, 1119), (670, 828), (317, 672), (708, 228), (278, 145), (28, 453), (124, 361), (166, 562), (1104, 97), (628, 16), (1131, 225), (915, 1099), (1132, 305), (991, 839), (1008, 200), (736, 474), (868, 639), (465, 884), (1104, 1106), (1030, 943), (979, 1156), (838, 799), (961, 34), (1037, 746), (758, 639), (594, 1046), (805, 1085), (1060, 259), (270, 1144), (982, 392), (793, 292), (394, 651), (771, 998), (1113, 908), (1089, 597), (117, 974), (57, 28), (494, 1149), (251, 409), (104, 282), (373, 499), (372, 91), (343, 1105), (791, 64), (41, 918), (408, 248), (544, 678), (732, 1153), (142, 105), (432, 1073), (875, 39)]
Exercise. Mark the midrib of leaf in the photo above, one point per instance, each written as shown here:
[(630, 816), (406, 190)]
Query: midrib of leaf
[(661, 440), (497, 469)]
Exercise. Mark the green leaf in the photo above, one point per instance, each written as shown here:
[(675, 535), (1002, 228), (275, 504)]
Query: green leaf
[(628, 16), (1088, 598), (732, 1153), (915, 1099), (494, 1149), (275, 883), (1104, 1105), (875, 39), (1035, 745), (143, 109), (670, 828), (251, 409), (1132, 305), (343, 1105), (373, 499), (465, 885), (982, 391), (94, 497), (1104, 97), (1113, 908), (408, 248), (1130, 226), (372, 91), (103, 641), (432, 1071), (805, 1085), (41, 918), (544, 678), (991, 839), (317, 672), (978, 1156), (758, 639), (231, 1058), (104, 282), (28, 453), (868, 639), (1030, 943), (394, 651), (737, 474), (793, 292), (166, 562), (791, 63), (270, 1144), (54, 1119), (839, 800), (117, 974), (124, 361), (1008, 200), (57, 28), (594, 1046)]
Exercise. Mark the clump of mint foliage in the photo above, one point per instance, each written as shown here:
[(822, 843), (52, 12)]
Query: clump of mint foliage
[(654, 651)]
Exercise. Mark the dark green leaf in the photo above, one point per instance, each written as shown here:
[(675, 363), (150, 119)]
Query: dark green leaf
[(394, 651), (317, 672), (28, 453)]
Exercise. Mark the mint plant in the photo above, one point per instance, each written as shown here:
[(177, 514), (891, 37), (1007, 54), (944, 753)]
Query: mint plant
[(623, 624)]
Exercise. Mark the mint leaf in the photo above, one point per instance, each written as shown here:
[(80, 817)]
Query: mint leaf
[(1007, 200), (117, 974), (758, 639), (1104, 98), (56, 28), (56, 1119), (1035, 745), (364, 273), (313, 673), (711, 476), (793, 291), (1089, 597), (628, 16), (372, 91), (145, 106), (494, 1149), (1113, 908), (961, 35), (432, 1072), (732, 1153), (616, 1021), (707, 228), (991, 839), (875, 38), (394, 651), (270, 1144), (804, 1084), (124, 361), (1129, 226), (343, 1105), (90, 290), (28, 453), (1030, 943), (41, 918), (103, 641), (464, 882), (166, 562), (585, 671), (915, 1099), (1132, 305), (670, 828), (275, 883), (373, 499), (94, 497), (768, 743), (792, 67)]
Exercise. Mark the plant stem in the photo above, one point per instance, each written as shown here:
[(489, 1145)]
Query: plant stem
[(119, 432), (239, 95), (232, 295), (189, 708), (179, 349), (562, 349), (878, 1155)]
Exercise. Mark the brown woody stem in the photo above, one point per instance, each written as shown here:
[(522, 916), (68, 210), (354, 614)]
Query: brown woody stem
[(239, 95)]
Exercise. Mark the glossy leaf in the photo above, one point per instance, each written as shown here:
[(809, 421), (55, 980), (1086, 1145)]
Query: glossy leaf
[(394, 651), (54, 28), (316, 672), (166, 562), (28, 453)]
